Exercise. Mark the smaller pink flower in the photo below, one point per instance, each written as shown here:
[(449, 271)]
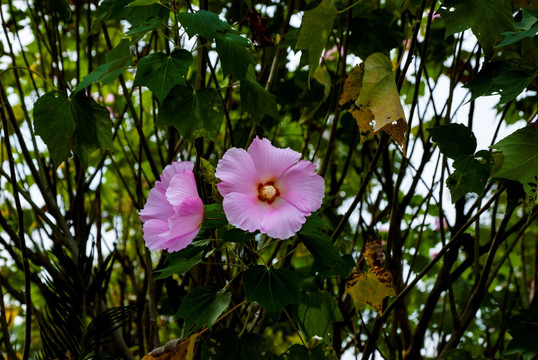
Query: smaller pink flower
[(268, 189), (173, 211)]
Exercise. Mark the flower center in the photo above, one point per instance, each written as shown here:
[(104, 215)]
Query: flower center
[(268, 192)]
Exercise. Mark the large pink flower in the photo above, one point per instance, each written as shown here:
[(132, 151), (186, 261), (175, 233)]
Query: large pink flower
[(268, 189), (173, 211)]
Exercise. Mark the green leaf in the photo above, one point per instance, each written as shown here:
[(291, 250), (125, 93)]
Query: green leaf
[(143, 2), (470, 175), (214, 217), (160, 73), (498, 78), (527, 27), (227, 344), (327, 259), (520, 162), (316, 314), (486, 18), (193, 114), (315, 29), (62, 8), (523, 328), (454, 140), (64, 121), (272, 288), (203, 23), (456, 354), (237, 236), (257, 101), (180, 262), (202, 307), (233, 53), (117, 60), (299, 352)]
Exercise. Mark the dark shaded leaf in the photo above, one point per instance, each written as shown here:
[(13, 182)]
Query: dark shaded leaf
[(454, 140), (227, 344), (193, 113), (272, 288), (64, 121), (202, 307), (160, 73), (233, 53), (180, 262), (117, 60), (257, 101), (316, 314), (470, 175), (486, 18), (523, 328)]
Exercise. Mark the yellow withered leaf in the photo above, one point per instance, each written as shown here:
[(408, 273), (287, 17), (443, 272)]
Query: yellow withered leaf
[(370, 288), (174, 350), (378, 105)]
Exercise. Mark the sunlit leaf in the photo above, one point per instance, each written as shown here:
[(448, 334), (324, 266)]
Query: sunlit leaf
[(315, 29), (233, 53), (370, 288), (72, 123), (378, 106), (160, 73), (486, 18), (272, 288), (202, 306), (193, 113), (520, 158), (203, 23)]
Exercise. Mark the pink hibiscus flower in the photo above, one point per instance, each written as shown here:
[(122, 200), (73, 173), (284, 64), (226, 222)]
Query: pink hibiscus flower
[(173, 211), (268, 189)]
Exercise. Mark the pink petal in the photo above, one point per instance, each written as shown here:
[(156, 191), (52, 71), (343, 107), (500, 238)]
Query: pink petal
[(157, 206), (270, 161), (181, 187), (176, 167), (282, 220), (180, 242), (237, 173), (302, 187), (153, 233), (244, 211)]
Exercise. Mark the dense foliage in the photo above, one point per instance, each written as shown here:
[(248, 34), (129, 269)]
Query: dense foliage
[(419, 115)]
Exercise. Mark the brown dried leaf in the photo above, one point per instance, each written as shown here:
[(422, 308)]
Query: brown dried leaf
[(174, 350), (352, 86), (370, 288), (373, 254)]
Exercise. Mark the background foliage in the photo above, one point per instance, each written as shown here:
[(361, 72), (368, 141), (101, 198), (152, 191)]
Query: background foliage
[(98, 97)]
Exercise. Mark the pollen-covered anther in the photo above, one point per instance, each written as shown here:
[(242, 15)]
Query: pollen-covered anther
[(268, 192)]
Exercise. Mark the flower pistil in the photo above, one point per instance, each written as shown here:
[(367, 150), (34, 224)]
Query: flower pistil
[(268, 192)]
